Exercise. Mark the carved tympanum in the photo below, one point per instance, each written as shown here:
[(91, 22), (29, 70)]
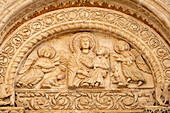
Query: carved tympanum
[(90, 65), (68, 57), (84, 62)]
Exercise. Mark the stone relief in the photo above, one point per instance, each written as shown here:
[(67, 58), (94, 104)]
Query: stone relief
[(126, 67), (87, 64), (144, 36), (85, 61), (84, 100), (86, 67), (46, 71)]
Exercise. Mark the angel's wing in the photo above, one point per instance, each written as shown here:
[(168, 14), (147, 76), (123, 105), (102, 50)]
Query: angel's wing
[(62, 57), (140, 62), (26, 66)]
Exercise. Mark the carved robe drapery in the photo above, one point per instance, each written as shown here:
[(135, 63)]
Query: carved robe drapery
[(79, 62), (83, 80)]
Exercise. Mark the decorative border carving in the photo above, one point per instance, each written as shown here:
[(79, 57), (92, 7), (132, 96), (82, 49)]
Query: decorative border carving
[(38, 100), (36, 8), (103, 20), (157, 109), (12, 110)]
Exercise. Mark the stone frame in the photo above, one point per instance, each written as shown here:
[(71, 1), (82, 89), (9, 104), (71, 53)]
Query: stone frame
[(155, 53)]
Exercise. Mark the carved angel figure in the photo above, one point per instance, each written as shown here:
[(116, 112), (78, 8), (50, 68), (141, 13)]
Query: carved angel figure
[(81, 62), (131, 67), (56, 78), (101, 68), (117, 76), (34, 70)]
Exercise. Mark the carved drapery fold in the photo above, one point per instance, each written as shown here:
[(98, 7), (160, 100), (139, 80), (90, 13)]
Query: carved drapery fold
[(134, 57)]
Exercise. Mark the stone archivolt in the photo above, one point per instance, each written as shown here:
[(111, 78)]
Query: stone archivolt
[(84, 59), (153, 15)]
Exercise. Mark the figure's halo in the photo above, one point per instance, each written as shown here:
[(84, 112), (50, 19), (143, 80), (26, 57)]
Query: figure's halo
[(75, 43), (121, 43), (50, 49)]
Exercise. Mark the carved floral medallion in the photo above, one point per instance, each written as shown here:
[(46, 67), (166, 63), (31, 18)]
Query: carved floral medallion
[(84, 59)]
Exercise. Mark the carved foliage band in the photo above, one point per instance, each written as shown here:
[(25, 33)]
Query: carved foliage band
[(80, 101), (26, 37)]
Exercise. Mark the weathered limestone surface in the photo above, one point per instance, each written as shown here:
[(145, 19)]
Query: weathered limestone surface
[(84, 56)]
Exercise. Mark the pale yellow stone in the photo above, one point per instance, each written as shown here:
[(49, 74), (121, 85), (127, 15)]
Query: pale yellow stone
[(95, 58)]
